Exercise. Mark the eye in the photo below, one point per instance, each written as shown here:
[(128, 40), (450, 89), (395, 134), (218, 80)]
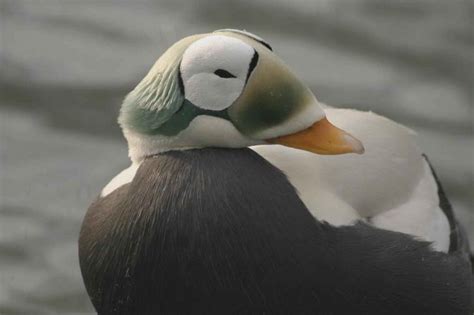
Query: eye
[(224, 74)]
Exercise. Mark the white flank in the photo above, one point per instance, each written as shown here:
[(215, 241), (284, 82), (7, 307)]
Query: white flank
[(124, 177), (388, 183)]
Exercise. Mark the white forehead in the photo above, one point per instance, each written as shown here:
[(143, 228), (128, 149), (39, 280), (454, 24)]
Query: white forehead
[(217, 52)]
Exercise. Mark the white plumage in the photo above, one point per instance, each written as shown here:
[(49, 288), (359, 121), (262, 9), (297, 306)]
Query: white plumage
[(390, 185), (202, 87)]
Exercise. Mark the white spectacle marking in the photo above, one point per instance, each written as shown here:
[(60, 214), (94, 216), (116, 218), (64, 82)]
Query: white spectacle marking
[(124, 177), (202, 87)]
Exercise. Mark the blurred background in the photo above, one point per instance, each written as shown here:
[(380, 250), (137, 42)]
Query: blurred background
[(65, 66)]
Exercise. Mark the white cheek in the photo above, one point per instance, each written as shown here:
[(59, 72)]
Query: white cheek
[(209, 91)]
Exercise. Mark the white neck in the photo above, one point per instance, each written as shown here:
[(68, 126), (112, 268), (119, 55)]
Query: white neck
[(203, 131)]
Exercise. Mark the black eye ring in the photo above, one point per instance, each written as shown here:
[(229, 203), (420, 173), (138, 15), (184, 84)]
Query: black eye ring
[(224, 74)]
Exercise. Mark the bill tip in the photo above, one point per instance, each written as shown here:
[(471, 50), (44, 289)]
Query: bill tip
[(357, 146)]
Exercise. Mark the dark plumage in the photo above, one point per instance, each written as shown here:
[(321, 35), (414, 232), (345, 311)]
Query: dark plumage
[(222, 231), (458, 240)]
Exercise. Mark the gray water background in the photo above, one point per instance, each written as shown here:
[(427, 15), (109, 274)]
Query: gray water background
[(65, 66)]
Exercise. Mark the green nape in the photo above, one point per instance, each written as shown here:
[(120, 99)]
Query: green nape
[(159, 96), (179, 121)]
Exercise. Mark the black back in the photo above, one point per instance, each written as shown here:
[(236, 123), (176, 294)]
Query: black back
[(222, 231)]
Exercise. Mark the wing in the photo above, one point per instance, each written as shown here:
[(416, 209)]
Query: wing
[(421, 215), (457, 236), (94, 227), (214, 231), (438, 283)]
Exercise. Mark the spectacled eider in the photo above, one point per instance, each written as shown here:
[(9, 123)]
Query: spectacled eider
[(201, 224)]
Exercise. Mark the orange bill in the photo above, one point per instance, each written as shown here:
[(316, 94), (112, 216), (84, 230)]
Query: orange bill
[(322, 138)]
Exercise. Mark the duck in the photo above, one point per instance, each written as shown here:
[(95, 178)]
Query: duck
[(247, 196)]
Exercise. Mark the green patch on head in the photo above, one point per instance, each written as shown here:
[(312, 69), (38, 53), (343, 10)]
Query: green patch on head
[(272, 96), (183, 117), (266, 108), (158, 96)]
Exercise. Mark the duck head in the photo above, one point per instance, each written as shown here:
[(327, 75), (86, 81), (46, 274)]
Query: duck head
[(225, 89)]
